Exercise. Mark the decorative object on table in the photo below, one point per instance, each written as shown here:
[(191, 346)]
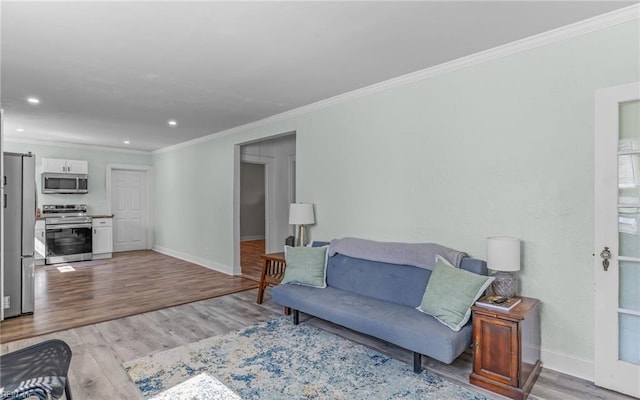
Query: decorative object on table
[(301, 214), (503, 257), (290, 241), (276, 360), (496, 302), (506, 349)]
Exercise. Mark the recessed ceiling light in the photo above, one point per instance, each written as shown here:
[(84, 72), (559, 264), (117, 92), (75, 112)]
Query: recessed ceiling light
[(173, 122), (126, 142), (33, 100), (20, 129)]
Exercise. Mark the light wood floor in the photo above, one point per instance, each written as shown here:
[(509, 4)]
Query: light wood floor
[(129, 283), (100, 349), (250, 261)]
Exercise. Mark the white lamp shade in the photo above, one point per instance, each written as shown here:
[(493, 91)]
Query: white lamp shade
[(503, 253), (301, 214)]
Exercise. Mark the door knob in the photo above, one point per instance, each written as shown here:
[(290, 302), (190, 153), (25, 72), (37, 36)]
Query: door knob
[(605, 255)]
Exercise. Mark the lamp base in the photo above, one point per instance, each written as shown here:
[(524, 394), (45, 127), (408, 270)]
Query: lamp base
[(505, 284), (301, 240)]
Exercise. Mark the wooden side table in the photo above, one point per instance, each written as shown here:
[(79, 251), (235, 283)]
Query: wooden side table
[(273, 267), (506, 349)]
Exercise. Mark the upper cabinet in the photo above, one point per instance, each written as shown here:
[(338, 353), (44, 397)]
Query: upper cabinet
[(60, 166)]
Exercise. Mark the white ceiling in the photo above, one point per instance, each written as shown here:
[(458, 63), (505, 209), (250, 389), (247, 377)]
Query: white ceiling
[(106, 72)]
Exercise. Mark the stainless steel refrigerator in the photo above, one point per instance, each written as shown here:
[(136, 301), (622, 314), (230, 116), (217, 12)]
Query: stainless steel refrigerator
[(19, 204)]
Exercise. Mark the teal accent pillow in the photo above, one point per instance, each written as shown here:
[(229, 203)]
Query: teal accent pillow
[(450, 293), (306, 266)]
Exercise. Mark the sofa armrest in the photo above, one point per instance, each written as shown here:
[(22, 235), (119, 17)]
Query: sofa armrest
[(474, 265)]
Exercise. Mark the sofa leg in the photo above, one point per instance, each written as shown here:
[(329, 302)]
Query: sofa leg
[(417, 363), (296, 317)]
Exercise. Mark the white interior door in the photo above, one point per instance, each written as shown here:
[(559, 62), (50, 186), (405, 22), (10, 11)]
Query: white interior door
[(129, 208), (617, 231)]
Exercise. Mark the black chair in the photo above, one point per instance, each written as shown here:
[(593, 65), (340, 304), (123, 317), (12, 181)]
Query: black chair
[(39, 371)]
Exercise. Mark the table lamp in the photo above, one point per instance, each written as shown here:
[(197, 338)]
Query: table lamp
[(301, 214), (503, 257)]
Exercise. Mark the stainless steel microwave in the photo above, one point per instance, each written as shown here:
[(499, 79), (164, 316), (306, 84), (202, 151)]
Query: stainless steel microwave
[(65, 183)]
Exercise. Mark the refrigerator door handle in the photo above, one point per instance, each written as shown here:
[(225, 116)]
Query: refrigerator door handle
[(4, 200), (28, 204)]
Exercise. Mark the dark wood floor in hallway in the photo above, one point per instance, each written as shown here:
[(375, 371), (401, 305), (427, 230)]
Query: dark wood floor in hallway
[(130, 283), (250, 261)]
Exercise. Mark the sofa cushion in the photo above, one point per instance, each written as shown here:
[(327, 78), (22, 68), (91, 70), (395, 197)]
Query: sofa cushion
[(399, 284), (306, 266), (450, 294), (395, 323)]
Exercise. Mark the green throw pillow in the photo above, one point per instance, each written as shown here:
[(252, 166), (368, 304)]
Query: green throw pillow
[(306, 266), (450, 293)]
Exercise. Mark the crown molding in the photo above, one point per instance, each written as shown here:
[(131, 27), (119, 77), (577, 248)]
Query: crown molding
[(75, 145), (593, 24)]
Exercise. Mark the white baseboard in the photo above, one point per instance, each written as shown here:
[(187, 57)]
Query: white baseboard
[(194, 259), (568, 364), (251, 237)]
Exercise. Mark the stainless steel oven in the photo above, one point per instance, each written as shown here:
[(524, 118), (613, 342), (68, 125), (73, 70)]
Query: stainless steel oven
[(68, 233)]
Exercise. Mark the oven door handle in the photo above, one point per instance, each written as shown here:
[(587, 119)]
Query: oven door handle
[(67, 226)]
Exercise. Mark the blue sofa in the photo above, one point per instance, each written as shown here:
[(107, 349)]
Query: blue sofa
[(380, 299)]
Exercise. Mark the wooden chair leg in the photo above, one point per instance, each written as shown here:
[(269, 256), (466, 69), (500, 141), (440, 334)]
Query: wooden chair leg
[(287, 311), (263, 284), (260, 293)]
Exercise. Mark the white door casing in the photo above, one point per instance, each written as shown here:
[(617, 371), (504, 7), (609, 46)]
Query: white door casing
[(617, 311), (129, 200)]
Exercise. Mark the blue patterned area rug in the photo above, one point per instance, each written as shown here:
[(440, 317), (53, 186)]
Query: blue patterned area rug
[(278, 360)]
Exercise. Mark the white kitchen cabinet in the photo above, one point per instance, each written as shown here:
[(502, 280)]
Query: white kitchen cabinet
[(40, 243), (54, 165), (102, 238), (60, 166), (77, 167)]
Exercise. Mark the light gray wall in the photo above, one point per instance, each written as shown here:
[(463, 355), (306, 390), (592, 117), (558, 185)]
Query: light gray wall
[(252, 201), (504, 147), (97, 158)]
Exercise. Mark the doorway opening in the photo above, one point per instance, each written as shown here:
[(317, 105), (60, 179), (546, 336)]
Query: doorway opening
[(252, 216), (264, 185)]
